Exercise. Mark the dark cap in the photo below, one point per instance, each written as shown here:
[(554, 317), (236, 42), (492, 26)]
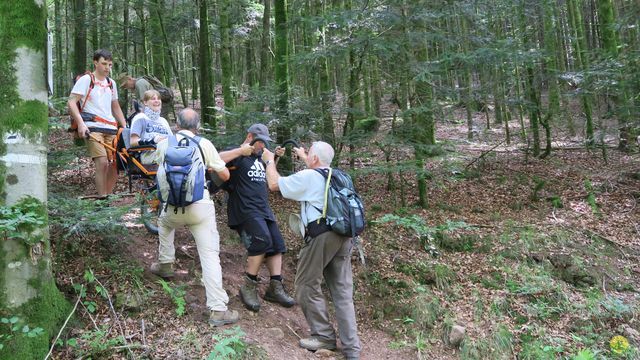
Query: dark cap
[(260, 130)]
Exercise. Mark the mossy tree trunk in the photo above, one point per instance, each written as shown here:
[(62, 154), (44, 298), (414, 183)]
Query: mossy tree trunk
[(282, 75), (582, 62), (59, 87), (206, 77), (157, 52), (124, 92), (326, 91), (265, 40), (282, 69), (551, 69), (79, 38), (225, 54), (609, 40), (27, 287), (424, 126)]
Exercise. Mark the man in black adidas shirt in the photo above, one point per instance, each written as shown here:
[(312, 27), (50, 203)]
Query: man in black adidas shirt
[(250, 214)]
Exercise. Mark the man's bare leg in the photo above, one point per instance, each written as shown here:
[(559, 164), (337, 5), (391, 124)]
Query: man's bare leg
[(102, 167), (112, 177), (274, 264), (253, 264)]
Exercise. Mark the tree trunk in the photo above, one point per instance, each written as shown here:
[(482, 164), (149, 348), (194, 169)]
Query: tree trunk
[(124, 98), (93, 25), (282, 73), (609, 40), (265, 41), (424, 129), (60, 90), (183, 94), (582, 62), (28, 290), (157, 53), (225, 54), (207, 102), (79, 38), (550, 68), (326, 94)]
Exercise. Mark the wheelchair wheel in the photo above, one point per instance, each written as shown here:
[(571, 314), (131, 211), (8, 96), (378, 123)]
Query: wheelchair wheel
[(150, 208)]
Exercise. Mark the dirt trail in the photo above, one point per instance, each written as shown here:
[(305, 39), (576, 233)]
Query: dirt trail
[(274, 329)]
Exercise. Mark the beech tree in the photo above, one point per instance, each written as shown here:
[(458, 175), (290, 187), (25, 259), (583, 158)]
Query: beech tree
[(28, 293)]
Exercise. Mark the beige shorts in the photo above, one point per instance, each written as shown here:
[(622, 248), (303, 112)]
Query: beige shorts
[(96, 149)]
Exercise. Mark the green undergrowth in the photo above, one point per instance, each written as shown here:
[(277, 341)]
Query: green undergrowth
[(65, 159), (76, 223), (529, 281)]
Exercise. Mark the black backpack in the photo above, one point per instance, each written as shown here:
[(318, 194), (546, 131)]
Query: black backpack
[(343, 210), (166, 94)]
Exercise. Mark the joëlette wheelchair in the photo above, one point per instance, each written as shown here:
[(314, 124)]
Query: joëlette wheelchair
[(141, 177)]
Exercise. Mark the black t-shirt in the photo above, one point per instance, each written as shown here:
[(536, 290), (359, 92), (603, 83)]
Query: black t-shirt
[(249, 195)]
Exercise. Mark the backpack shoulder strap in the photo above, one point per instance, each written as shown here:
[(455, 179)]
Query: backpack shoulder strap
[(196, 140), (326, 191), (92, 83)]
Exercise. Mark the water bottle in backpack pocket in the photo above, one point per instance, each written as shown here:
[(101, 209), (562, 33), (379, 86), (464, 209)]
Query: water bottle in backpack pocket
[(181, 177)]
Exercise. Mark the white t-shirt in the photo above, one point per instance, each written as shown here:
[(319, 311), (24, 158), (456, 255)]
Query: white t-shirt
[(147, 129), (306, 186), (212, 159), (99, 102)]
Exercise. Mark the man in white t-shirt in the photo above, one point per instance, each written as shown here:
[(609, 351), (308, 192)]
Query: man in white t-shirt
[(94, 107), (324, 255)]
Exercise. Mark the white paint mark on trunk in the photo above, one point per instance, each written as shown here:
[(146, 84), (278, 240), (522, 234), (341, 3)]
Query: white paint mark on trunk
[(32, 77)]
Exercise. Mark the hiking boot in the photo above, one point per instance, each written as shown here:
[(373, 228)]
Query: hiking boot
[(249, 294), (164, 270), (276, 293), (219, 318), (313, 343)]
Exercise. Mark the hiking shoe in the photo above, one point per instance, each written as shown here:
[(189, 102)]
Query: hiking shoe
[(219, 318), (164, 270), (314, 343), (249, 294), (276, 293)]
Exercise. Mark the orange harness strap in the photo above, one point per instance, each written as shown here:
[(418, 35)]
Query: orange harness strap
[(105, 121)]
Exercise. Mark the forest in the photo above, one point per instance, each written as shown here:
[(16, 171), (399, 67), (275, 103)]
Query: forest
[(495, 145)]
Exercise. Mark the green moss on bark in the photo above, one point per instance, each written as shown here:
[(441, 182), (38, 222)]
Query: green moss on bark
[(47, 311), (22, 24), (28, 117)]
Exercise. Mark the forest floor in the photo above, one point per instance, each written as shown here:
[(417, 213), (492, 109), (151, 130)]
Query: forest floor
[(534, 259)]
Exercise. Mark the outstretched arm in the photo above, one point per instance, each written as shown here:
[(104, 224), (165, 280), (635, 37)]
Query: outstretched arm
[(272, 171), (243, 150)]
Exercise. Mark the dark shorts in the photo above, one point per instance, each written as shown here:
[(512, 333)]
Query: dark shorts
[(261, 236)]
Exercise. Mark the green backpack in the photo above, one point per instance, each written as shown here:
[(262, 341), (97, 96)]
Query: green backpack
[(166, 94)]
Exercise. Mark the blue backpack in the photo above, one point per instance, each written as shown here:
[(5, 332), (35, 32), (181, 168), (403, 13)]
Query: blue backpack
[(181, 177)]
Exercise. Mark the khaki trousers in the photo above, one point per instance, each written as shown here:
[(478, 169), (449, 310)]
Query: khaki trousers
[(200, 219), (328, 256)]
